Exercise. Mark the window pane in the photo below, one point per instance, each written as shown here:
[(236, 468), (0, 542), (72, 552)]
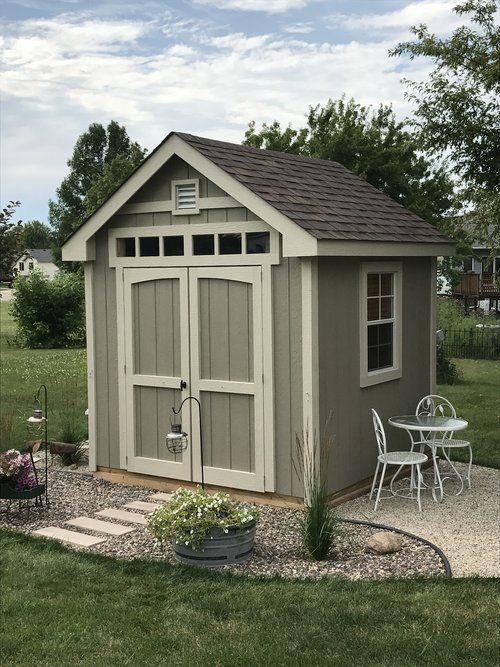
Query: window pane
[(203, 244), (386, 307), (149, 246), (372, 312), (386, 283), (173, 246), (384, 333), (373, 284), (125, 247), (257, 242), (385, 356), (229, 244), (372, 335), (372, 358)]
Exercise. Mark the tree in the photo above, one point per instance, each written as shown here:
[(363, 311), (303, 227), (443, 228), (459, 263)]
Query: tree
[(35, 234), (102, 159), (458, 109), (10, 239), (372, 144)]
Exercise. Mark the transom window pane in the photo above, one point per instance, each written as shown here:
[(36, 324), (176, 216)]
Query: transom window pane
[(149, 246), (125, 247), (229, 244), (203, 244), (257, 242), (173, 246)]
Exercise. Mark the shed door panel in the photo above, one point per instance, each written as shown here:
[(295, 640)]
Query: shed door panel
[(226, 374), (157, 358)]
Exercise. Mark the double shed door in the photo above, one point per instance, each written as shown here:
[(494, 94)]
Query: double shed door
[(202, 326)]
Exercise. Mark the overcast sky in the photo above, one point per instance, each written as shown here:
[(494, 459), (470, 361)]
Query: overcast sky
[(203, 66)]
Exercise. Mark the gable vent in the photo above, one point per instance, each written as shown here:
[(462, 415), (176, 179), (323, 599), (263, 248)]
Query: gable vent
[(186, 196)]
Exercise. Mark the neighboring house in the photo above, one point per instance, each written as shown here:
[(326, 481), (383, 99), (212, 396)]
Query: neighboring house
[(480, 281), (35, 258), (284, 292)]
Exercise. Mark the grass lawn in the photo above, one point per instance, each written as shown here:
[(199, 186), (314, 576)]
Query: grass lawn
[(21, 373), (89, 610), (477, 399)]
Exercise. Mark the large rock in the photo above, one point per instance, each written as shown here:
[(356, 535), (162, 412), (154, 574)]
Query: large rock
[(384, 542)]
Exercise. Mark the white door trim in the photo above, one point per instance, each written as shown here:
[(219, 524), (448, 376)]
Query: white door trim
[(141, 464), (91, 363)]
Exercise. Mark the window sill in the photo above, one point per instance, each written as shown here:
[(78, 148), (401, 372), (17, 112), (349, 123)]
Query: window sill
[(377, 377)]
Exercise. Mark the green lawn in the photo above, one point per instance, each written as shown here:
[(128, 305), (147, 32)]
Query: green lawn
[(21, 373), (88, 610), (477, 398)]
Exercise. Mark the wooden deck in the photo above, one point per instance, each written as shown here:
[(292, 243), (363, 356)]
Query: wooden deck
[(476, 285)]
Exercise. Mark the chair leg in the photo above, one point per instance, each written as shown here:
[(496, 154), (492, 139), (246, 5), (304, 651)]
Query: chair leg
[(374, 479), (437, 476), (455, 471), (393, 479), (470, 466), (380, 486), (418, 486)]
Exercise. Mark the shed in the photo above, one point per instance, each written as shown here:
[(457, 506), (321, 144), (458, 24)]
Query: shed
[(286, 292)]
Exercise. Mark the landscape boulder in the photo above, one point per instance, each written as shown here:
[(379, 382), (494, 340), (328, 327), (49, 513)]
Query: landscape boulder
[(384, 542)]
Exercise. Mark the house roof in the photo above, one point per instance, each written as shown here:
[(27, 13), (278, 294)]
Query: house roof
[(321, 196), (42, 255)]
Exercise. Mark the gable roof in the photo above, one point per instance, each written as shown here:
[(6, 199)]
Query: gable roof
[(42, 255), (321, 196)]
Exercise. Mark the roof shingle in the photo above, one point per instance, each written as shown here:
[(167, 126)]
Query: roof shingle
[(321, 196)]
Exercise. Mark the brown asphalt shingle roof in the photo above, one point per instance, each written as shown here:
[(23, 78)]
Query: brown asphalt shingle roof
[(321, 196)]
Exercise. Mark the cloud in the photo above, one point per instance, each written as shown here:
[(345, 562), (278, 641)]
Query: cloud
[(61, 74), (299, 28), (268, 6), (437, 14)]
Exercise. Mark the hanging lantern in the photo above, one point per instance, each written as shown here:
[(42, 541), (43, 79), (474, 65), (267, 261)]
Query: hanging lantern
[(36, 424), (176, 439)]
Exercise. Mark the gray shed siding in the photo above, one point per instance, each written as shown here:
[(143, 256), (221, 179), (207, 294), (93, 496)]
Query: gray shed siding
[(354, 449)]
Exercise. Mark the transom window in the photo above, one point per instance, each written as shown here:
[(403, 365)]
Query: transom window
[(380, 323)]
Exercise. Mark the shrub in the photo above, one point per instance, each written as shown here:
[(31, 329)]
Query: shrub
[(190, 514), (49, 312), (318, 522), (446, 371)]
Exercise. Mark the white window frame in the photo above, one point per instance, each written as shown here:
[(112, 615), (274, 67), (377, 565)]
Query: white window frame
[(369, 378), (21, 266), (186, 211)]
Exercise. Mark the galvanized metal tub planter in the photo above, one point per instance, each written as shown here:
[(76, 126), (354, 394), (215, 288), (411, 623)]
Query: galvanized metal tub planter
[(8, 490), (220, 547)]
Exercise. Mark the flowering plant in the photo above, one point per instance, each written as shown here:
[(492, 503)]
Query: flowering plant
[(18, 468), (190, 514)]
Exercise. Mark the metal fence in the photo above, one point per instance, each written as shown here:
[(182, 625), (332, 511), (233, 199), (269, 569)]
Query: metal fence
[(472, 343)]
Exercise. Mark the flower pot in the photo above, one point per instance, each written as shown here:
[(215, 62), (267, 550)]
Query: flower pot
[(219, 548)]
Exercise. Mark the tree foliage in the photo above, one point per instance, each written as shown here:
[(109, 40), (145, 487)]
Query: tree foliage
[(372, 144), (102, 159), (10, 238), (35, 234), (458, 108), (50, 312)]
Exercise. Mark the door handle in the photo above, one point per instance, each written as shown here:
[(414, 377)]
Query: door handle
[(183, 385)]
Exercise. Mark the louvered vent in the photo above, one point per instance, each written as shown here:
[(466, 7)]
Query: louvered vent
[(185, 196)]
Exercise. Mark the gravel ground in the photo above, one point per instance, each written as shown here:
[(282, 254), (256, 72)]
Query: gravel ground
[(465, 527), (277, 546)]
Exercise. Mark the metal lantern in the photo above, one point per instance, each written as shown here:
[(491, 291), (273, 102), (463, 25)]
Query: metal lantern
[(176, 439), (36, 424)]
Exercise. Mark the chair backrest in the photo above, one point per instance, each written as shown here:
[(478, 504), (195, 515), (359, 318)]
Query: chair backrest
[(435, 405), (379, 433)]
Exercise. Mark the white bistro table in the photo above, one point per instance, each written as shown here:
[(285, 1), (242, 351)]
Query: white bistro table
[(429, 427)]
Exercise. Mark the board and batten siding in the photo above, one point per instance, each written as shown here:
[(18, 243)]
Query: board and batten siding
[(287, 334), (354, 449)]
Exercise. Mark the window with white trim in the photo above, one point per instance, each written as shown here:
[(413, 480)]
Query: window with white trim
[(185, 196), (380, 322), (21, 266)]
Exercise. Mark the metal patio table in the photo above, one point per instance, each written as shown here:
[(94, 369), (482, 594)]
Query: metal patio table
[(431, 425)]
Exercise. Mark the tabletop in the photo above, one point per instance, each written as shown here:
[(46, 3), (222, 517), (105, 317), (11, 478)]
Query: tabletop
[(428, 423)]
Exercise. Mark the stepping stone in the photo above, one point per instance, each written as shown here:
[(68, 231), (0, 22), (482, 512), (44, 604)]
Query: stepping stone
[(69, 536), (165, 497), (122, 515), (144, 507), (87, 523)]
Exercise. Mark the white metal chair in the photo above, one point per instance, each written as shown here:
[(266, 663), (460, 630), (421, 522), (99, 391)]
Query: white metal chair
[(401, 459), (438, 406)]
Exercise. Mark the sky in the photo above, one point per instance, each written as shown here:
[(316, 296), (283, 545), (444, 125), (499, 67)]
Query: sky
[(207, 67)]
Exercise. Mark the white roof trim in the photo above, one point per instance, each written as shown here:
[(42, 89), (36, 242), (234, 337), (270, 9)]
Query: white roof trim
[(80, 247)]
